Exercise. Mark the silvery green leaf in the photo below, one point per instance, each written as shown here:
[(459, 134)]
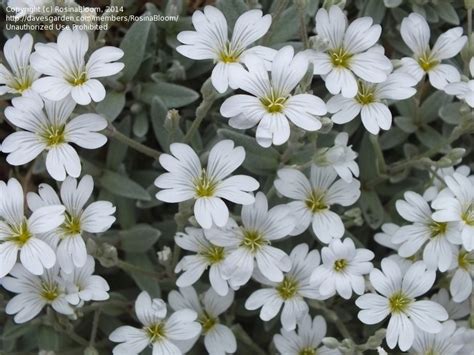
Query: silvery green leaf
[(447, 12), (115, 183), (143, 281), (158, 114), (48, 338), (232, 10), (13, 331), (429, 110), (258, 160), (139, 238), (172, 95), (117, 150), (429, 136), (112, 105), (375, 9), (141, 125), (134, 45), (392, 3), (372, 208), (285, 27), (392, 138), (450, 113), (406, 124)]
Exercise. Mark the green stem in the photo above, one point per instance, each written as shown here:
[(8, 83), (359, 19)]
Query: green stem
[(378, 151), (95, 326), (301, 6), (114, 133), (209, 96), (133, 268)]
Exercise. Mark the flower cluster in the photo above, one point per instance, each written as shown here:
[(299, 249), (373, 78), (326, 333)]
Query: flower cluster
[(273, 219)]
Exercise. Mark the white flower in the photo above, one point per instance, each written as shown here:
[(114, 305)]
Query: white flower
[(271, 104), (186, 180), (34, 293), (385, 237), (463, 90), (211, 41), (19, 78), (314, 199), (455, 310), (342, 270), (290, 292), (81, 285), (67, 71), (207, 255), (20, 234), (218, 338), (456, 204), (461, 282), (350, 51), (306, 340), (340, 157), (68, 238), (398, 299), (53, 131), (251, 243), (435, 238), (437, 184), (416, 34), (160, 332), (443, 343), (370, 102)]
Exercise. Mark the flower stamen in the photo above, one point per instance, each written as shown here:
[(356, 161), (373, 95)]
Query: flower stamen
[(287, 288), (315, 202), (398, 302), (204, 185), (253, 241), (340, 57), (155, 332)]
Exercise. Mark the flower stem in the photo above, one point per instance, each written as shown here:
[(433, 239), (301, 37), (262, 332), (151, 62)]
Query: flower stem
[(301, 7), (382, 166), (95, 326), (209, 95), (113, 132)]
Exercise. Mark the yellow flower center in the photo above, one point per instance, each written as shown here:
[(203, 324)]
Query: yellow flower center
[(307, 351), (71, 225), (214, 254), (229, 55), (465, 260), (20, 234), (204, 185), (253, 241), (287, 288), (468, 216), (365, 94), (207, 322), (340, 57), (274, 103), (49, 291), (399, 302), (54, 135), (426, 62), (156, 332), (340, 265), (78, 79), (315, 202), (438, 229), (21, 84)]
